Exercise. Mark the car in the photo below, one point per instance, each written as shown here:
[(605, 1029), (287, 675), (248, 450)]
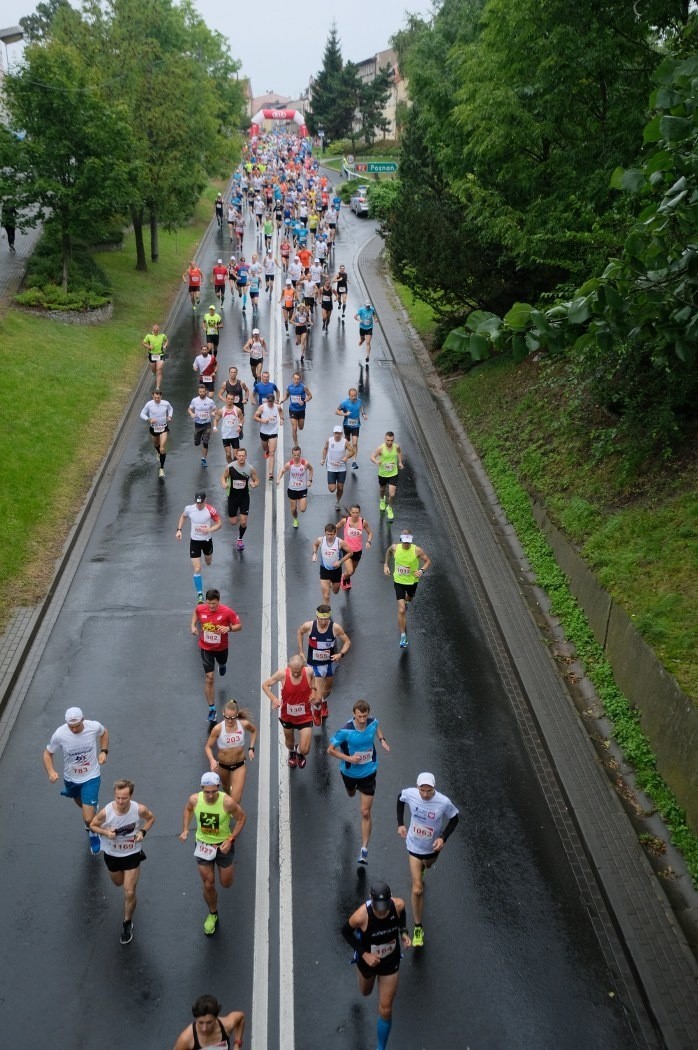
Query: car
[(359, 201)]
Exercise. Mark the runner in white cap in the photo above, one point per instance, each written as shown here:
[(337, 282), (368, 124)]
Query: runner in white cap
[(337, 452), (406, 576), (433, 818), (215, 842), (82, 759)]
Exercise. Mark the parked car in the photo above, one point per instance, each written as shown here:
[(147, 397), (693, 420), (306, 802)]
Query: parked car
[(359, 202)]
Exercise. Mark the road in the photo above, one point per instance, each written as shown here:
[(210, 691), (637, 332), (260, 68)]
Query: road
[(511, 957)]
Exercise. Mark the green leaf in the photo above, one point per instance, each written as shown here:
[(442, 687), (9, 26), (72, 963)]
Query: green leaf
[(616, 180), (479, 347), (652, 132), (579, 311), (662, 160), (532, 343), (633, 180), (519, 315), (519, 348), (673, 129)]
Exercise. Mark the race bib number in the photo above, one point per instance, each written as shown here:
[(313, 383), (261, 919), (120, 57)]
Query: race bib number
[(78, 770), (125, 845), (363, 757), (403, 570), (239, 484), (422, 831), (383, 950), (205, 851), (296, 710), (321, 654), (212, 637), (200, 532), (350, 422), (202, 420), (158, 428), (297, 399)]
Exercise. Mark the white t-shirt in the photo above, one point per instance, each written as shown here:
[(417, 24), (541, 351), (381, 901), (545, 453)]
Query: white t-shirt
[(161, 413), (428, 819), (80, 751), (200, 518), (203, 409)]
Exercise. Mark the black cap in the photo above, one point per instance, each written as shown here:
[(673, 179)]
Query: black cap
[(200, 496), (380, 895)]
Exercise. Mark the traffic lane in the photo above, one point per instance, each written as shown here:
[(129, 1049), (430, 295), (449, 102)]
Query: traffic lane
[(123, 651), (504, 892)]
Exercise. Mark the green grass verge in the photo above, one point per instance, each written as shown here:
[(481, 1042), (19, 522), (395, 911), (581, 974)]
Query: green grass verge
[(82, 378), (421, 314)]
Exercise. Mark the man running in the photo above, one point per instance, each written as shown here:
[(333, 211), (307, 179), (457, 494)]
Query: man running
[(298, 394), (323, 635), (300, 473), (288, 302), (158, 414), (215, 842), (294, 707), (212, 324), (333, 554), (211, 623), (206, 365), (433, 818), (337, 451), (82, 762), (236, 479), (388, 459), (270, 418), (354, 528), (231, 422), (233, 385), (122, 825), (220, 276), (351, 409), (365, 317), (341, 279), (203, 411), (204, 520), (218, 210), (194, 278), (354, 745), (156, 344), (377, 931), (406, 576), (208, 1025)]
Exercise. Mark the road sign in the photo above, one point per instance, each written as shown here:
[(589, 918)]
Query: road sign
[(350, 158), (379, 167), (361, 167)]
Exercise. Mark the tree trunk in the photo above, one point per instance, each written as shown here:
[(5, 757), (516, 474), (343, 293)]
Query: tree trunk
[(67, 252), (137, 219), (154, 245)]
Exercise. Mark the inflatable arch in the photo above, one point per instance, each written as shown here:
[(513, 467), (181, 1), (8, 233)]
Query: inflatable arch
[(278, 114)]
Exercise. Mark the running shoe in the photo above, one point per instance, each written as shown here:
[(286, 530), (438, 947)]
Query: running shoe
[(418, 937), (316, 713), (95, 843), (126, 932), (355, 465), (239, 546), (222, 668), (346, 583), (200, 598), (212, 717), (403, 641), (367, 360), (271, 477), (292, 759), (161, 473), (337, 507), (391, 514), (381, 504), (301, 760), (302, 359), (363, 856), (295, 523), (211, 923), (204, 464)]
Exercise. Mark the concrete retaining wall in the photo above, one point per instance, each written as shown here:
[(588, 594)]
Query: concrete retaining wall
[(667, 715), (102, 313)]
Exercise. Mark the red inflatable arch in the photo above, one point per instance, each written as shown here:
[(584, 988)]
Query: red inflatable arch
[(278, 114)]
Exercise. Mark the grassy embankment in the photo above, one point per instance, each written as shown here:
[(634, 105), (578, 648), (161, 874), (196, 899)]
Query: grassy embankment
[(636, 528), (65, 388)]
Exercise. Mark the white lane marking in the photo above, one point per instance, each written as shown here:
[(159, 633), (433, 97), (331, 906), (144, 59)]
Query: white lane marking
[(286, 1011)]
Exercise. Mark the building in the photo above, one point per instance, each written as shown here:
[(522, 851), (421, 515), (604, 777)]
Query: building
[(369, 68)]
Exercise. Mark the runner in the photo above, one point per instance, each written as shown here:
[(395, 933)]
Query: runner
[(406, 576), (203, 411), (232, 279), (218, 210), (242, 271), (232, 213), (194, 278), (204, 521), (82, 761), (256, 347), (294, 707), (228, 737), (302, 323), (220, 274), (388, 459), (122, 825), (263, 388), (208, 1025), (298, 394), (354, 745), (433, 818), (365, 317), (288, 301), (284, 254), (206, 365), (333, 554), (235, 386), (376, 932), (215, 842), (327, 296), (269, 273), (336, 451), (323, 634), (352, 411), (354, 528), (236, 479), (270, 418), (156, 344), (158, 414), (217, 622), (300, 473), (231, 422), (212, 324)]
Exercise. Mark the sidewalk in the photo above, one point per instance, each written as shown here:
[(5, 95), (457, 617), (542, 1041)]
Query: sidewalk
[(620, 880), (14, 265)]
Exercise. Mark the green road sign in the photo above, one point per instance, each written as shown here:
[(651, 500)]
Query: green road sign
[(387, 167)]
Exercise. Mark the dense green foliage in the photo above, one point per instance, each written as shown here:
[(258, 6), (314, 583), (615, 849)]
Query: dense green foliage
[(84, 275)]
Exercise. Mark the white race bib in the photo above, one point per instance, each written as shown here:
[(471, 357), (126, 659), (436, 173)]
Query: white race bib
[(239, 484), (205, 851), (321, 654), (383, 950), (200, 532), (422, 831), (125, 844), (295, 710), (403, 570), (212, 637), (363, 757)]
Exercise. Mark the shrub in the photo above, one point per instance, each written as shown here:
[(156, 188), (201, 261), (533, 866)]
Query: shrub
[(51, 297)]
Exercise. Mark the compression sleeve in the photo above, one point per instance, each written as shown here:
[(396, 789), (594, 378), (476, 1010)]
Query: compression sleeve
[(400, 812), (350, 935), (449, 827)]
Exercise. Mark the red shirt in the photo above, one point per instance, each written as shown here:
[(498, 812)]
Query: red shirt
[(209, 637), (305, 256), (295, 699), (220, 274), (195, 275)]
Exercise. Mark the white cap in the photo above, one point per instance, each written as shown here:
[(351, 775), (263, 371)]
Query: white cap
[(255, 331), (426, 780), (220, 261), (73, 716), (317, 260), (338, 429), (406, 537), (289, 281), (367, 302), (210, 780)]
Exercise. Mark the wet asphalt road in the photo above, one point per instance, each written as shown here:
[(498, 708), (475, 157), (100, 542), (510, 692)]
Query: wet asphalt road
[(511, 958)]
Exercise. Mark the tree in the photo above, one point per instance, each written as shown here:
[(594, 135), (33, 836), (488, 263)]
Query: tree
[(37, 27), (334, 92), (373, 96), (65, 153)]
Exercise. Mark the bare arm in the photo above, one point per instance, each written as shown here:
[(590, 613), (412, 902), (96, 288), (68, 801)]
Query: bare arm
[(186, 817), (277, 677), (49, 766), (208, 748)]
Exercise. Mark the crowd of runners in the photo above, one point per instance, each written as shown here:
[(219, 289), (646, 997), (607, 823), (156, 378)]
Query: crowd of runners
[(281, 201)]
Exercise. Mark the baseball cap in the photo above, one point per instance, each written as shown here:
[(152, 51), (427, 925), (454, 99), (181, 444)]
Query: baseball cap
[(317, 260), (255, 331), (338, 429), (406, 537), (210, 780), (232, 258), (220, 261), (367, 302), (380, 895), (212, 307), (426, 780), (289, 281), (73, 716), (200, 496)]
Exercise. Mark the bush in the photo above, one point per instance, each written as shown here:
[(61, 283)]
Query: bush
[(51, 297), (45, 268)]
